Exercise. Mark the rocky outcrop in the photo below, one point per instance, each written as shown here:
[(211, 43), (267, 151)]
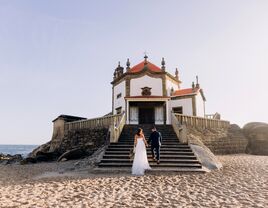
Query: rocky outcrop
[(257, 134), (206, 157), (204, 154), (10, 159), (88, 139), (75, 154), (220, 141), (74, 145), (40, 149)]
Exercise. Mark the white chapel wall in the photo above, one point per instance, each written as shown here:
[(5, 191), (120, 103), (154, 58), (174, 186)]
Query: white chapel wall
[(169, 85), (119, 102), (146, 81), (186, 105), (200, 106)]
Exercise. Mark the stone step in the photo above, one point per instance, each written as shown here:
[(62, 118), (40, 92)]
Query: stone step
[(147, 137), (162, 160), (164, 142), (149, 153), (162, 146), (107, 156), (148, 134), (148, 149), (180, 165), (177, 142), (164, 139), (173, 154)]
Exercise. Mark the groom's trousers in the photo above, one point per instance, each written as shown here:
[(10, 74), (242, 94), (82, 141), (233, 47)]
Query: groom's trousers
[(157, 149)]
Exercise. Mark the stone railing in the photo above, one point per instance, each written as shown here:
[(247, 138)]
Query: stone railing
[(179, 129), (201, 122), (114, 123), (213, 116), (116, 129), (101, 122)]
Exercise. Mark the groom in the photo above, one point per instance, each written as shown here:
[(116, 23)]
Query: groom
[(155, 140)]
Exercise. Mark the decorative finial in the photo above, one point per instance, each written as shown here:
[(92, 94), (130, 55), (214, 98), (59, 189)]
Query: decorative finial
[(177, 73), (145, 58), (118, 63), (163, 64), (193, 85), (197, 83), (128, 64), (171, 91)]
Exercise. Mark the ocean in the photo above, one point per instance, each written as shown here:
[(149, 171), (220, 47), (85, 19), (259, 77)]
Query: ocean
[(24, 150)]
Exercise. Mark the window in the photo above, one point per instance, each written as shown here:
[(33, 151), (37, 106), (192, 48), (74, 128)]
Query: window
[(118, 110), (119, 95), (178, 110)]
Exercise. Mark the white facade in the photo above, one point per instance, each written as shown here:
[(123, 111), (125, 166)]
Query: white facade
[(186, 104), (169, 85), (146, 81), (119, 101), (147, 99), (200, 106)]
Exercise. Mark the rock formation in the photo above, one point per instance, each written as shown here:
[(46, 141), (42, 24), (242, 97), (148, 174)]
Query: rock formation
[(10, 159), (257, 134), (75, 144)]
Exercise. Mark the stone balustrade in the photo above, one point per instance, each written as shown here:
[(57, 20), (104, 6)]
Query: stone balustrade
[(201, 122), (101, 122)]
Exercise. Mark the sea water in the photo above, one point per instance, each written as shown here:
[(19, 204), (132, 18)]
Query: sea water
[(24, 150)]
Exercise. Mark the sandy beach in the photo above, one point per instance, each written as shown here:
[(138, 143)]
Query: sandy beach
[(241, 183)]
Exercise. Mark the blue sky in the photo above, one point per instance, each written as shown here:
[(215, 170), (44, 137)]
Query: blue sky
[(58, 57)]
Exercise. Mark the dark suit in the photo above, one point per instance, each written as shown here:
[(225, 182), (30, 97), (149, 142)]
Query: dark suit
[(155, 139)]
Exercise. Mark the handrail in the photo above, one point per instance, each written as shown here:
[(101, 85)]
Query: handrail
[(213, 116), (117, 129), (121, 120), (179, 129), (93, 123), (201, 122)]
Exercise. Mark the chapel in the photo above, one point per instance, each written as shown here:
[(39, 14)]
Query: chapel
[(148, 94)]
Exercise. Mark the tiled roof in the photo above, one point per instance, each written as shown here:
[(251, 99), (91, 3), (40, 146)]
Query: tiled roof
[(188, 91), (69, 118), (139, 67)]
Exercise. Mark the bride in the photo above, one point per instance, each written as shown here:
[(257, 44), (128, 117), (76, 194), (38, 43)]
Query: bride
[(140, 162)]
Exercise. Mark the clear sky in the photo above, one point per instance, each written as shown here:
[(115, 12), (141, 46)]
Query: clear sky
[(58, 57)]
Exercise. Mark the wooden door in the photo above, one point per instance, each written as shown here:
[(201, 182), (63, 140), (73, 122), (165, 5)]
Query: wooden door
[(146, 115)]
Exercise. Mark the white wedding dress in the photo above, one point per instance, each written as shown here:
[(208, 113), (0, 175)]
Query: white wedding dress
[(140, 162)]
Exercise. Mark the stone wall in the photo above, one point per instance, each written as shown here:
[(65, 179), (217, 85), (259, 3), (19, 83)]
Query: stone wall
[(75, 143), (89, 139), (220, 141)]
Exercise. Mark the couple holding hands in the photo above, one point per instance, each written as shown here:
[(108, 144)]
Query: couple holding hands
[(140, 162)]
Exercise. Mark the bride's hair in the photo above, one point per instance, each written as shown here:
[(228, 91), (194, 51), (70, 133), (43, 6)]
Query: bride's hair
[(139, 131)]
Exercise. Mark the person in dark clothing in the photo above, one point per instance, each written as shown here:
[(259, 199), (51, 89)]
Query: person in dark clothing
[(155, 141)]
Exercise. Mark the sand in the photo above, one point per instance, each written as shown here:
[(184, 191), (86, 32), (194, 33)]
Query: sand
[(241, 183)]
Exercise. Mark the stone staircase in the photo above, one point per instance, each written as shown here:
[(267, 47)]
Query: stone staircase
[(173, 154)]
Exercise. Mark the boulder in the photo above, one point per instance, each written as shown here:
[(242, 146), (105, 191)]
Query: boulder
[(251, 126), (42, 148), (257, 134), (47, 156), (28, 160), (42, 158), (73, 154), (10, 159), (206, 157)]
